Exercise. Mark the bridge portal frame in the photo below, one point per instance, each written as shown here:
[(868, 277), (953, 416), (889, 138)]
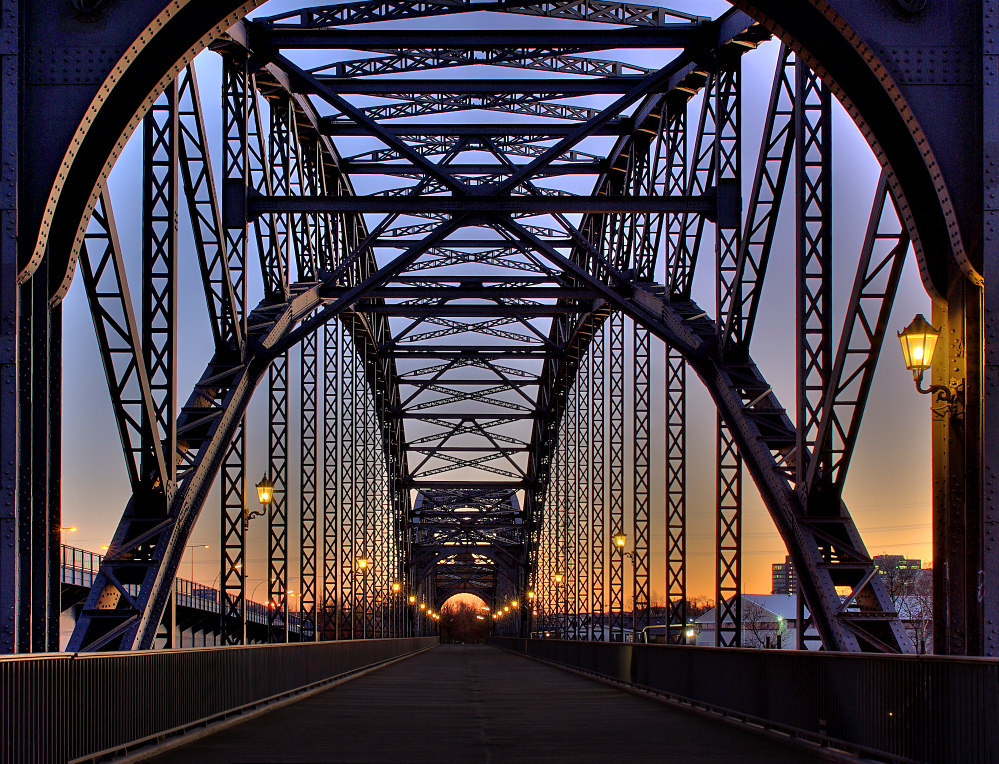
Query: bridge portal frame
[(906, 108)]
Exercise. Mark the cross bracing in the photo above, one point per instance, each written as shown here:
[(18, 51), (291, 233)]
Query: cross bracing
[(481, 299)]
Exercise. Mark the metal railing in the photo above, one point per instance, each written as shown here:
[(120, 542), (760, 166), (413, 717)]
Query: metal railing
[(80, 568), (64, 707), (890, 707)]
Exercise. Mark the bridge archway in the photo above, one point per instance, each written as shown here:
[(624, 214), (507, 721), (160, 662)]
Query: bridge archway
[(645, 306)]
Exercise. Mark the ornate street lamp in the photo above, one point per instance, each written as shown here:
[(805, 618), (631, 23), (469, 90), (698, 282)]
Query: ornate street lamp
[(557, 578), (620, 540), (265, 490), (919, 340), (265, 495), (363, 563)]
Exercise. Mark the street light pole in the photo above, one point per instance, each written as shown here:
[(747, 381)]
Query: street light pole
[(195, 546)]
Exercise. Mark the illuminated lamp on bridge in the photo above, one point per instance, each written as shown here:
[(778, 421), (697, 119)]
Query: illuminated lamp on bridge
[(919, 340)]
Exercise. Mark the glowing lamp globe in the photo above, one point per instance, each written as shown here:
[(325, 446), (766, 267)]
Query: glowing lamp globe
[(514, 603), (620, 539), (557, 578), (423, 606), (396, 586), (412, 598), (265, 490), (362, 563), (530, 595), (918, 340)]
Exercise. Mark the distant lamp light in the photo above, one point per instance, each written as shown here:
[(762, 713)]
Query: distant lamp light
[(265, 490), (919, 340), (363, 563), (515, 603), (530, 595), (412, 599), (557, 578), (690, 633), (423, 606), (396, 587), (620, 539), (506, 608)]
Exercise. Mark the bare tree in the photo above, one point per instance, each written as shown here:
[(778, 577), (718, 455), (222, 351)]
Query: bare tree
[(462, 622), (898, 577), (916, 611), (698, 606)]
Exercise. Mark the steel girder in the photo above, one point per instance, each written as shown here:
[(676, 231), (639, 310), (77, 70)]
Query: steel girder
[(612, 229)]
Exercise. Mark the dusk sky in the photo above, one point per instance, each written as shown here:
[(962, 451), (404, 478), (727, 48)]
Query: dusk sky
[(889, 487)]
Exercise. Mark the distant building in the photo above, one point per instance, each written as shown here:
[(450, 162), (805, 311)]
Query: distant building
[(897, 562), (784, 580), (771, 621), (768, 621)]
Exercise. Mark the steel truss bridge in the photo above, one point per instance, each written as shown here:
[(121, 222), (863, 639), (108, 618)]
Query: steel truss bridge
[(460, 266)]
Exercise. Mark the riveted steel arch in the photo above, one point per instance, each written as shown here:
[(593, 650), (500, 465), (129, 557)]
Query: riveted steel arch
[(600, 271)]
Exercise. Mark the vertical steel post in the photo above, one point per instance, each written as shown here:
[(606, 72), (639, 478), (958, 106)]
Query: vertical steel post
[(616, 458), (642, 485), (277, 517), (675, 390), (676, 495), (572, 515), (10, 425), (308, 487), (159, 279), (728, 228), (232, 580), (813, 269), (348, 472), (235, 174), (987, 451), (332, 487), (598, 461), (584, 493)]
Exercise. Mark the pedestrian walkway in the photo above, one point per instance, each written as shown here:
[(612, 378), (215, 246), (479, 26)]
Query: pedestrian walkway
[(461, 703)]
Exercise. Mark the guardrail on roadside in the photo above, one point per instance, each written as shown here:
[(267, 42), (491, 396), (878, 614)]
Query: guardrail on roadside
[(923, 708), (87, 706)]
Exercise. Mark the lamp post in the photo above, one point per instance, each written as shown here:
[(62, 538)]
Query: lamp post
[(195, 546), (363, 564), (919, 340), (395, 611), (620, 540), (558, 579)]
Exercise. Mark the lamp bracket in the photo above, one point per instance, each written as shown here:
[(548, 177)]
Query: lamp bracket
[(951, 395)]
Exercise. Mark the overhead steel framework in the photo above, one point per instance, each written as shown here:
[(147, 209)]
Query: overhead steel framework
[(475, 316)]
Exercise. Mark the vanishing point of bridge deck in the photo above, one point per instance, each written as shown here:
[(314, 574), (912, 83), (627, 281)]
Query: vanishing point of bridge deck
[(471, 703)]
